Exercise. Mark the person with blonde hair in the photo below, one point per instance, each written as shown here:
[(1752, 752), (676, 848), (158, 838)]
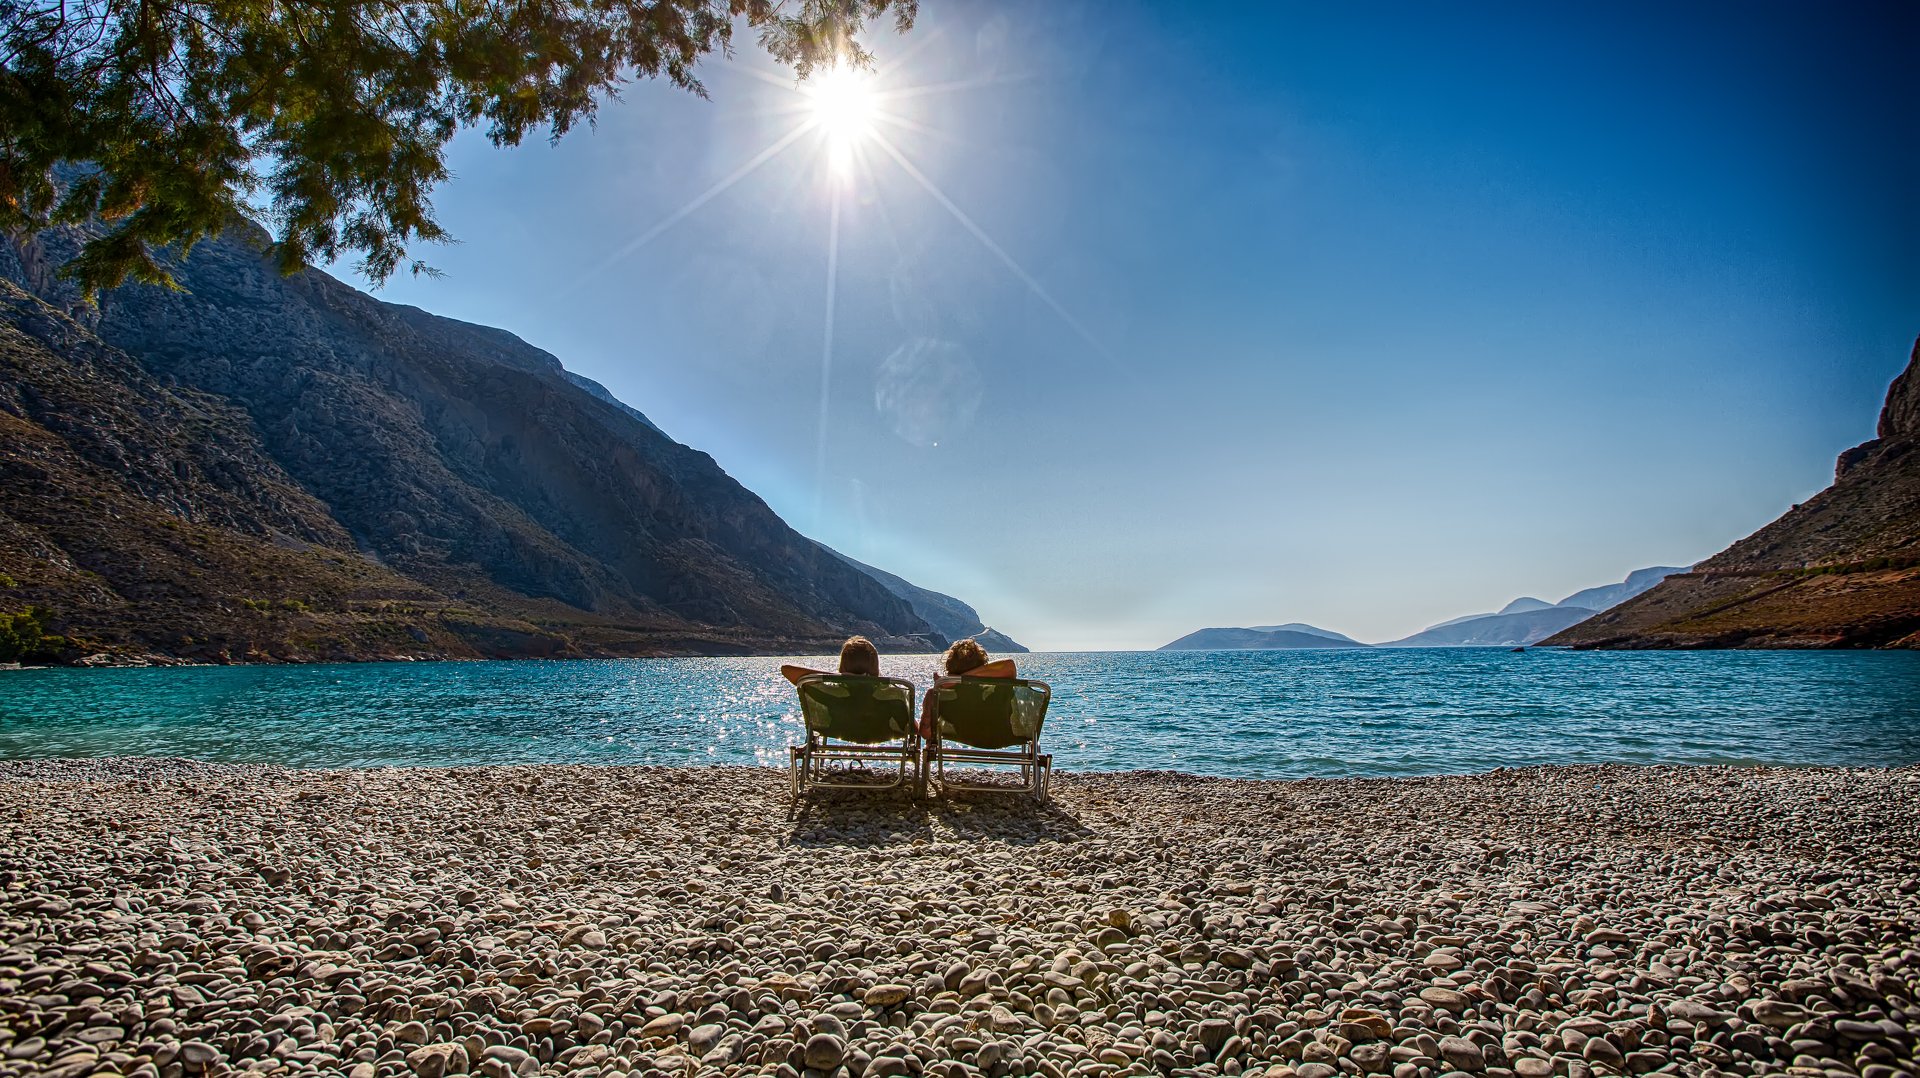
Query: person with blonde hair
[(964, 658), (858, 656)]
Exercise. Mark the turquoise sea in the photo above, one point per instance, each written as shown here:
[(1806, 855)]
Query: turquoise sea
[(1239, 713)]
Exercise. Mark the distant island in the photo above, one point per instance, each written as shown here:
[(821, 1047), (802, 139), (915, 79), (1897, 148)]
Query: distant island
[(1257, 640), (1311, 630), (1841, 570), (1522, 622)]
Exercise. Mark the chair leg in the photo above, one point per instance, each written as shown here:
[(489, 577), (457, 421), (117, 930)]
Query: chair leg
[(813, 767)]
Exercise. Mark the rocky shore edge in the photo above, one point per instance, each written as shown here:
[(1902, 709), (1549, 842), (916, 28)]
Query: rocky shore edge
[(164, 918)]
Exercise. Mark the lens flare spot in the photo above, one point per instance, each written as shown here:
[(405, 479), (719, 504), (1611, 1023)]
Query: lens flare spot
[(928, 390)]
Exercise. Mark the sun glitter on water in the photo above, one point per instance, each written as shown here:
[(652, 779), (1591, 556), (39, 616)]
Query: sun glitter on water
[(843, 101)]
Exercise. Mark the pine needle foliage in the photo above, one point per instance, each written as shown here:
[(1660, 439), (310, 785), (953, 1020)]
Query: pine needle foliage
[(164, 119)]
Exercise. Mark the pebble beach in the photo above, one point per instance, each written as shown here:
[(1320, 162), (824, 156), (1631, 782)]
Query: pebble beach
[(163, 918)]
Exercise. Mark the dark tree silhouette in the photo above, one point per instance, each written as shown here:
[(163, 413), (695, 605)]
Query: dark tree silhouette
[(163, 118)]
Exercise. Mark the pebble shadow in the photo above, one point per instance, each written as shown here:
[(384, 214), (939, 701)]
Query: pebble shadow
[(890, 818)]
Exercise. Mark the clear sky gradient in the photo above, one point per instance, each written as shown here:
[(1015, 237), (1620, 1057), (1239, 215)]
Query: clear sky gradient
[(1361, 315)]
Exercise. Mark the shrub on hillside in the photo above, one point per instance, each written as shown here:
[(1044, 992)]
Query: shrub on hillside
[(24, 636)]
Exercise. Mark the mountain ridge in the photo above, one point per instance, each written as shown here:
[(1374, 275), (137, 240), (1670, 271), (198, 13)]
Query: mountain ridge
[(1517, 629), (1527, 620), (415, 486), (1523, 621), (1608, 596)]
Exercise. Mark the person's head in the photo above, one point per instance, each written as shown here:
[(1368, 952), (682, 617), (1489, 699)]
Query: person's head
[(963, 656), (858, 656)]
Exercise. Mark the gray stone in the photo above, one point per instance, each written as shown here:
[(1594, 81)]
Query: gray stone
[(436, 1060), (1213, 1033), (824, 1051), (1778, 1014), (1462, 1054)]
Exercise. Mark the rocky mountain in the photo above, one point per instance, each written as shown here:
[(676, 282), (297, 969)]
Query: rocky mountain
[(1608, 596), (603, 393), (999, 643), (1839, 570), (267, 467), (1524, 604), (1528, 620), (949, 616), (1497, 630), (1255, 640), (1518, 606)]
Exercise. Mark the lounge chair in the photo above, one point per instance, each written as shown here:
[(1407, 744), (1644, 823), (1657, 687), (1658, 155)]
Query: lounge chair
[(990, 722), (854, 719)]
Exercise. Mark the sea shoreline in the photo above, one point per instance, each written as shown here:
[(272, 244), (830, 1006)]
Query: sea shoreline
[(167, 918), (134, 768), (116, 660)]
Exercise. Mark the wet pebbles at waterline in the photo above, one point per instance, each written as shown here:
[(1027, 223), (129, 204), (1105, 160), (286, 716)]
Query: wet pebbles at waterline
[(167, 919)]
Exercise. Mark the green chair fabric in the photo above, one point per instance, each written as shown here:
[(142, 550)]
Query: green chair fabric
[(861, 710), (991, 713)]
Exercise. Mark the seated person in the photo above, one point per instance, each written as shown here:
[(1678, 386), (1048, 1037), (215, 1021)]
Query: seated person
[(857, 656), (966, 658)]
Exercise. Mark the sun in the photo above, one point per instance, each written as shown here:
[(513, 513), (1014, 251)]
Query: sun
[(843, 101)]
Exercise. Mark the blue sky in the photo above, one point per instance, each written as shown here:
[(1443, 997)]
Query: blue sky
[(1362, 315)]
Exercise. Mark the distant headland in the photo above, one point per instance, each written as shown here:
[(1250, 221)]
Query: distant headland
[(1522, 622)]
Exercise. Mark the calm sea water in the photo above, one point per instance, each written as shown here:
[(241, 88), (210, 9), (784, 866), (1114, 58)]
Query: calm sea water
[(1270, 714)]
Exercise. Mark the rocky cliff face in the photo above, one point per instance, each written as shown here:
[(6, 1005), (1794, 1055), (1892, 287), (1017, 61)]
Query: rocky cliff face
[(1901, 416), (1840, 570), (445, 480)]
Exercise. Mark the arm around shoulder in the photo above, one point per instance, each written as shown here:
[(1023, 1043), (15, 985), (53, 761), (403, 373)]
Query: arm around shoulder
[(795, 673)]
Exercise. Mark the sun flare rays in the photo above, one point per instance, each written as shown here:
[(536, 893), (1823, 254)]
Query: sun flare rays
[(826, 356), (987, 241), (855, 117)]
